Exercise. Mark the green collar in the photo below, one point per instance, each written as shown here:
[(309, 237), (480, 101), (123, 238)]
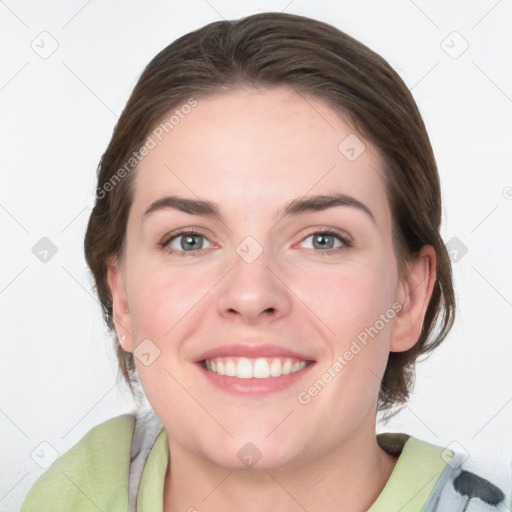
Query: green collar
[(415, 474)]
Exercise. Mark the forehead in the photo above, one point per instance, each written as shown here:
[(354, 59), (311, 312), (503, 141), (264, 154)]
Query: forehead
[(249, 147)]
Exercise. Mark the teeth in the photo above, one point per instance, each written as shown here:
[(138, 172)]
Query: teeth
[(243, 369), (261, 368), (276, 368), (230, 369), (295, 367)]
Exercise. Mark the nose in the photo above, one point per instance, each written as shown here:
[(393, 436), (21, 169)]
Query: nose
[(254, 291)]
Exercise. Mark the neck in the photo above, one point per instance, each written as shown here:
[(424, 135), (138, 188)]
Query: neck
[(350, 478)]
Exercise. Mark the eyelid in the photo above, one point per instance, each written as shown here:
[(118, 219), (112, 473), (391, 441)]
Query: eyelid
[(184, 231), (345, 238), (329, 230)]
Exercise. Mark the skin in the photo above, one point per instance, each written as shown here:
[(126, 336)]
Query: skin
[(265, 147)]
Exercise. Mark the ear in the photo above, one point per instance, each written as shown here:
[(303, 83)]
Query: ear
[(120, 310), (414, 294)]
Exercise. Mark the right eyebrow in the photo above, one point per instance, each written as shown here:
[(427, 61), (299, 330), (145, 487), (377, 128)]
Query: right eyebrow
[(296, 206)]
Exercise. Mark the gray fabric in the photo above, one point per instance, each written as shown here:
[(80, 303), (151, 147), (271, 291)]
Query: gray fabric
[(445, 497), (442, 485), (146, 430)]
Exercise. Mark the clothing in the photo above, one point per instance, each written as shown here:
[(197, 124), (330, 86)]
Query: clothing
[(120, 465)]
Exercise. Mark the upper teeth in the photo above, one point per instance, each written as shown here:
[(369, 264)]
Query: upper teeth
[(260, 368)]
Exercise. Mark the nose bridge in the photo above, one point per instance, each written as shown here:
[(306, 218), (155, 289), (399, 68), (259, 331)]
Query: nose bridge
[(251, 287), (252, 268), (251, 249)]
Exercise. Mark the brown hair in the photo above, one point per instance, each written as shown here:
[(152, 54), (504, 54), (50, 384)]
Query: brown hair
[(314, 58)]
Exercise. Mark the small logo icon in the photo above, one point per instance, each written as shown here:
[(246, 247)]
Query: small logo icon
[(351, 147), (44, 454), (454, 45), (146, 352), (44, 250), (454, 454), (456, 249), (249, 249), (507, 192), (249, 454), (45, 45)]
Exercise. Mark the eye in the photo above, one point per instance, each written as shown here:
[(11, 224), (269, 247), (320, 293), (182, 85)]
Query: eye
[(184, 243), (190, 242), (326, 238)]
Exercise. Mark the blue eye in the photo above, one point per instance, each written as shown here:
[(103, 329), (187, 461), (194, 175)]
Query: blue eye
[(323, 238), (189, 240)]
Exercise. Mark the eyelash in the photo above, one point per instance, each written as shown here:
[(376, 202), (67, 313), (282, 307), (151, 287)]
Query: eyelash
[(346, 241)]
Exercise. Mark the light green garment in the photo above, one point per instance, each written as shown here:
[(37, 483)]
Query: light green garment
[(93, 474)]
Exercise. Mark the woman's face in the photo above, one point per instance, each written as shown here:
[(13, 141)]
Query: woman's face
[(258, 290)]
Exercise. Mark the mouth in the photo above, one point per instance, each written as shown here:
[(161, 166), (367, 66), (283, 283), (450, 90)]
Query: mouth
[(253, 371), (254, 368)]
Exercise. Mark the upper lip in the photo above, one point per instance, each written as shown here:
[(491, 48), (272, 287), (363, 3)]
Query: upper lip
[(252, 351)]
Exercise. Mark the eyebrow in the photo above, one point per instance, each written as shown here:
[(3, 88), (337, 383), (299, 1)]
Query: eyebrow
[(295, 207)]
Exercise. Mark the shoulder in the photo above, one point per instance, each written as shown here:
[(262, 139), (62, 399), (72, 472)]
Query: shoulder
[(91, 475), (479, 480), (454, 476)]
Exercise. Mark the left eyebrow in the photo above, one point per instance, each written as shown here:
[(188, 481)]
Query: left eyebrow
[(296, 206)]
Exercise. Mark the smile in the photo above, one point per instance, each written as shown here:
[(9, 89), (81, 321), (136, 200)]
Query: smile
[(259, 368)]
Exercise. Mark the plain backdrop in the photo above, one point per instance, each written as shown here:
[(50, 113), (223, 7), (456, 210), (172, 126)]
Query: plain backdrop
[(67, 69)]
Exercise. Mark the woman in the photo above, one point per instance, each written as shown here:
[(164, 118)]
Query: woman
[(265, 245)]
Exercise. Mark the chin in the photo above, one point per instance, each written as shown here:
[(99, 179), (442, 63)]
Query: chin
[(250, 457)]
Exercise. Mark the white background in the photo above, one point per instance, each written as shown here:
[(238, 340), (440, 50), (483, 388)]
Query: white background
[(57, 114)]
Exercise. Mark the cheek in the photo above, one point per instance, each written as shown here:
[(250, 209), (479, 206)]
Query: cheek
[(349, 300), (351, 304), (162, 302), (160, 299)]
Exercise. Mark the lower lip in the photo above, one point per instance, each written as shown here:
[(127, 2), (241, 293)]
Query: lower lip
[(255, 386)]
